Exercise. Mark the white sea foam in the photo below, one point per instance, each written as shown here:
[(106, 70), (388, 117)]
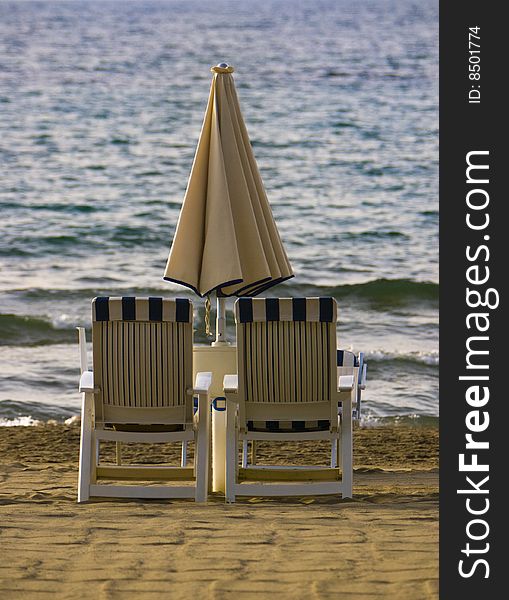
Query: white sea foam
[(429, 358), (370, 421), (19, 422), (64, 321)]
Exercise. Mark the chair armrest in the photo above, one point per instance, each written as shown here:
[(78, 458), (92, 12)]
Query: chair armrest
[(231, 384), (82, 340), (363, 377), (87, 382), (345, 383), (362, 370), (203, 382)]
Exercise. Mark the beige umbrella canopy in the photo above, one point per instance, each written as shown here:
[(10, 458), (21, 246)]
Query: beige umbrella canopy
[(226, 238)]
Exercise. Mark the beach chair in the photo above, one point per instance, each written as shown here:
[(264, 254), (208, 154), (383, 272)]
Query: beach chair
[(287, 388), (141, 390)]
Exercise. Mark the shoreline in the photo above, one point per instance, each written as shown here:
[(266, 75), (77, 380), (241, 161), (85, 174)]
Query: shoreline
[(370, 421), (382, 543)]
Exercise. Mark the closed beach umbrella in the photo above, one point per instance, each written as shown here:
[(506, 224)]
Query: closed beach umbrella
[(226, 239)]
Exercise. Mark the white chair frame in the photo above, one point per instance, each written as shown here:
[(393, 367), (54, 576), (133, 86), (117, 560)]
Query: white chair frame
[(255, 480), (92, 433)]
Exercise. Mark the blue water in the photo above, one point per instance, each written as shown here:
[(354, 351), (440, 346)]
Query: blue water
[(101, 104)]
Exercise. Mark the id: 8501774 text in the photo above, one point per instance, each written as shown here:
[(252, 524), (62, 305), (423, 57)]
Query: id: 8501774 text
[(474, 65)]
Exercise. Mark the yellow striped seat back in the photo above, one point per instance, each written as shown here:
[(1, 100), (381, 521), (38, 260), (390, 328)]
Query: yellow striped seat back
[(286, 349), (142, 359)]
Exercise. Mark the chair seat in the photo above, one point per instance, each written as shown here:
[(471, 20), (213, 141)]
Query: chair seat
[(288, 426), (145, 428)]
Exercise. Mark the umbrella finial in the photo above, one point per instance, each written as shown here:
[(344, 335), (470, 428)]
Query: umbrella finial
[(222, 68)]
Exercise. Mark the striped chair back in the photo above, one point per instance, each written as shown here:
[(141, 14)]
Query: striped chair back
[(347, 359), (286, 350), (142, 359)]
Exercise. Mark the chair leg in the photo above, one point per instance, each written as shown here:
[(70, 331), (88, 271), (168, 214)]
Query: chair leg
[(85, 465), (347, 450), (244, 453), (202, 449), (339, 446), (334, 454), (183, 457), (231, 452), (118, 450), (94, 463), (253, 452)]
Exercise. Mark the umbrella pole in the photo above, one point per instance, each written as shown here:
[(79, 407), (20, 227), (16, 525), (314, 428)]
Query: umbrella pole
[(220, 322)]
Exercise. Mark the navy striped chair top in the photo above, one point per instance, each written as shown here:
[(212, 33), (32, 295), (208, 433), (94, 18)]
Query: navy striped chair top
[(346, 358), (288, 426), (249, 310), (129, 308)]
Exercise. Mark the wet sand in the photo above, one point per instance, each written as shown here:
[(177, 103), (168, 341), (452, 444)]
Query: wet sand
[(381, 544)]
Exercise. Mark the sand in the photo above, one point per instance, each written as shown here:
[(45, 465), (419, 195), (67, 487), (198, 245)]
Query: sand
[(381, 544)]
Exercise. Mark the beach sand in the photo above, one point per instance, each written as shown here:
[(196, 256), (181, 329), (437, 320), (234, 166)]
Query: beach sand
[(381, 544)]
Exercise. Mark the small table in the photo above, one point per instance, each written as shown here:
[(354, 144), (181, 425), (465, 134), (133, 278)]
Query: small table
[(220, 360)]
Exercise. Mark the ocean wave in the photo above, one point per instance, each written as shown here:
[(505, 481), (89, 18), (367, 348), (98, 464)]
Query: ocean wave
[(431, 359), (413, 420), (14, 412), (20, 330), (375, 235), (379, 292)]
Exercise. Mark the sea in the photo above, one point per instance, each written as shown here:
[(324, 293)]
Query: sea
[(101, 106)]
